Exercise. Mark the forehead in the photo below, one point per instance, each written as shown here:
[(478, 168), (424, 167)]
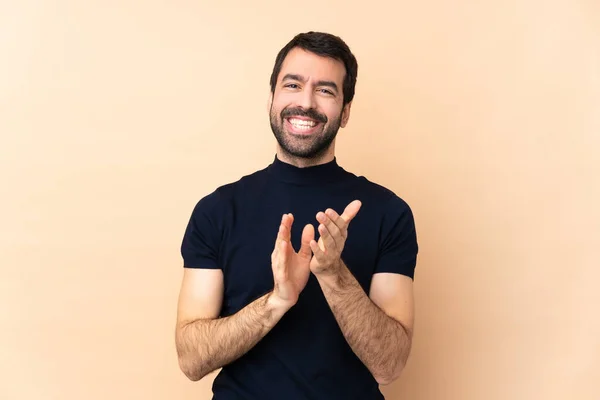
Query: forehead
[(312, 66)]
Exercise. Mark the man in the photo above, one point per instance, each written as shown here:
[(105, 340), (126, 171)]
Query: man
[(289, 311)]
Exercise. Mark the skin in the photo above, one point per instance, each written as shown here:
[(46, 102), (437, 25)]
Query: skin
[(305, 83), (377, 326)]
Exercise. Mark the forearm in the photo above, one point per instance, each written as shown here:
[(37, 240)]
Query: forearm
[(208, 344), (380, 342)]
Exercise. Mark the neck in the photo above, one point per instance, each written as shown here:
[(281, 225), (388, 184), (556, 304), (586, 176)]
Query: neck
[(316, 174), (302, 162)]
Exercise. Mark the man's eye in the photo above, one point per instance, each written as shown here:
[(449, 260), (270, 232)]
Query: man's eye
[(327, 91), (292, 85)]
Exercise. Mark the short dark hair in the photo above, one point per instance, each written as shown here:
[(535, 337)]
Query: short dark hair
[(326, 45)]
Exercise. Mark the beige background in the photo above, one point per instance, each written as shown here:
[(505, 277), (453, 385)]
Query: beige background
[(117, 116)]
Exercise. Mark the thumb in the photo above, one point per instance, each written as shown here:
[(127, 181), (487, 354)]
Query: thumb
[(351, 210), (308, 234)]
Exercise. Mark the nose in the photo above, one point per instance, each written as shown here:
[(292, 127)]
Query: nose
[(305, 99)]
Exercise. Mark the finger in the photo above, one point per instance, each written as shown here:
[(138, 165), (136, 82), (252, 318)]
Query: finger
[(308, 234), (351, 210), (328, 241), (281, 233), (283, 253), (289, 220), (276, 257), (334, 230), (281, 258), (337, 220), (285, 227), (314, 246)]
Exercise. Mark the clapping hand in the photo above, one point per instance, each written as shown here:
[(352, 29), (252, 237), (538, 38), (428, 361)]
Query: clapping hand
[(333, 229), (290, 268)]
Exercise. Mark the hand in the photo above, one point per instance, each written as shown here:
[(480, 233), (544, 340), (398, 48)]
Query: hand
[(290, 269), (334, 231)]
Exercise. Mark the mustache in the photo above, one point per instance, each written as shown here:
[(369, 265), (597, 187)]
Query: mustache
[(298, 112)]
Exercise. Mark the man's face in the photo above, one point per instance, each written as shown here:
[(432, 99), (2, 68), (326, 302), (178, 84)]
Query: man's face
[(307, 106)]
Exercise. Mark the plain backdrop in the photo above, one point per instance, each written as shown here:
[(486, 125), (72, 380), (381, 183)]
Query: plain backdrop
[(116, 117)]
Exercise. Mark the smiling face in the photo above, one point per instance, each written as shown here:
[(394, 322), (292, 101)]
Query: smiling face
[(307, 107)]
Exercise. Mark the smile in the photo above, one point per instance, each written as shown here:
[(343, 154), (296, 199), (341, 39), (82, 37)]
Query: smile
[(302, 123), (302, 126)]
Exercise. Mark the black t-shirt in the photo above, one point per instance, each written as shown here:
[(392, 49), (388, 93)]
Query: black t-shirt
[(305, 356)]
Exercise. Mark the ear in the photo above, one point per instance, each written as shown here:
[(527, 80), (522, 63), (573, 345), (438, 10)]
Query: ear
[(345, 115), (269, 101)]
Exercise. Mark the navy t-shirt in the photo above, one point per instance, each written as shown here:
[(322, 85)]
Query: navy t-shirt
[(305, 356)]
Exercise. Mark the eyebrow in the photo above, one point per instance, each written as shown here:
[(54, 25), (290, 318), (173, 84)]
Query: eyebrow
[(296, 77)]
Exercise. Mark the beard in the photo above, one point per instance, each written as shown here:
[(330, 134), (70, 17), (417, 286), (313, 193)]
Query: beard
[(304, 146)]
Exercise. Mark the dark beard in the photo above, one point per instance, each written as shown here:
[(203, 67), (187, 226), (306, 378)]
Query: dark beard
[(309, 147)]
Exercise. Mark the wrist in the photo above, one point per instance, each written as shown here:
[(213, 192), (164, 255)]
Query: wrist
[(338, 278), (277, 305), (328, 280), (330, 272)]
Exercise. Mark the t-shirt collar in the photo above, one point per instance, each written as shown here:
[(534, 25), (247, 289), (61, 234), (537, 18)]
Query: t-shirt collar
[(317, 174)]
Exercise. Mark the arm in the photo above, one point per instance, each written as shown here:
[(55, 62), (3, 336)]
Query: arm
[(204, 342), (385, 346), (377, 328)]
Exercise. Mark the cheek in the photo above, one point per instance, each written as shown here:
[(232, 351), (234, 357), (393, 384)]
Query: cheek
[(275, 109), (333, 112), (279, 105), (284, 99)]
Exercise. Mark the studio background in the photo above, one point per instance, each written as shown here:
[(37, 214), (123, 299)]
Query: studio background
[(116, 117)]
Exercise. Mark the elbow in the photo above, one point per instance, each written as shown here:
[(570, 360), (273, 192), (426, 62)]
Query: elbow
[(189, 360), (385, 380), (193, 372), (387, 377), (193, 376), (393, 370)]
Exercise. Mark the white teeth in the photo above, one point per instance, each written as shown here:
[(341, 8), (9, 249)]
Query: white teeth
[(302, 124)]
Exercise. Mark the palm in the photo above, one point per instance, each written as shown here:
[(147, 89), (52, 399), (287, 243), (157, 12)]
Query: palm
[(298, 269), (313, 264), (291, 269)]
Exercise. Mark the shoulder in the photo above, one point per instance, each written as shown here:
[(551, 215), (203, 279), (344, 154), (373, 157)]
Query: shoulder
[(384, 198), (223, 196)]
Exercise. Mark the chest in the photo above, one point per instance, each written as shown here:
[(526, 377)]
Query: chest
[(250, 239)]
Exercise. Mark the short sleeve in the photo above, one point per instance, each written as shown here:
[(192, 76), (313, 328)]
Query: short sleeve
[(398, 248), (201, 239)]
